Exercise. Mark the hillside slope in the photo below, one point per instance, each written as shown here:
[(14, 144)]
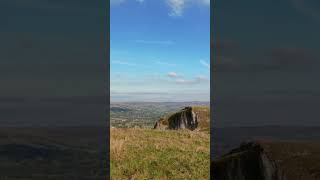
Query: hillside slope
[(270, 160), (154, 154), (60, 153)]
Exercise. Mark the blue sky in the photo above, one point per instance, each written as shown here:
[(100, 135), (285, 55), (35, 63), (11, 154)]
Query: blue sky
[(160, 50)]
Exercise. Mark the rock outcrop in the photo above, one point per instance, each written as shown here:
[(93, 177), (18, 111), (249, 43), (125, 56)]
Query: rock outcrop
[(248, 162), (269, 161), (184, 119), (160, 124)]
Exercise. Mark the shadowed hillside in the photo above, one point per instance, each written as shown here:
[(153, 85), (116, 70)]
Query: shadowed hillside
[(270, 160), (53, 153)]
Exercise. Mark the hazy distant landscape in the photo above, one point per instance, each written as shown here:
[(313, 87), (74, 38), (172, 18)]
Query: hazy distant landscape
[(144, 114)]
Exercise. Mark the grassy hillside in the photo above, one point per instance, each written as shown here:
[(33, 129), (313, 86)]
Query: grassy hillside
[(204, 117), (157, 154), (296, 158)]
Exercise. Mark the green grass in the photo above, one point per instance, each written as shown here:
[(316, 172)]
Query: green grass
[(156, 154), (204, 116)]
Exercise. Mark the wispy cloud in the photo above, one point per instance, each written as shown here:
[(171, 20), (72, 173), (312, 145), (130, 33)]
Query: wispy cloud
[(178, 6), (204, 63), (196, 80), (172, 74), (175, 75), (155, 42), (179, 79), (124, 63), (165, 63)]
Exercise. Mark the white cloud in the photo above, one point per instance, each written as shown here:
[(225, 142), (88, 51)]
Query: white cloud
[(173, 74), (155, 42), (177, 7), (179, 79), (196, 80), (204, 63)]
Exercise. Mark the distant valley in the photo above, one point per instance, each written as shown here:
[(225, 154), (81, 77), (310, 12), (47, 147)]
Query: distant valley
[(144, 114)]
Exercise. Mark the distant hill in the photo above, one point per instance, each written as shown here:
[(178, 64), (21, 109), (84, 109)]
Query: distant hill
[(53, 153), (191, 117), (270, 160), (137, 153)]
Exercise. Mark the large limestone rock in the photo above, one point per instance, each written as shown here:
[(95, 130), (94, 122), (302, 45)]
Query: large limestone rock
[(248, 162), (184, 119)]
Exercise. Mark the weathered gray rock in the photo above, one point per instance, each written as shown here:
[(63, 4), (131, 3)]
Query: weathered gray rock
[(248, 162), (184, 119), (270, 160)]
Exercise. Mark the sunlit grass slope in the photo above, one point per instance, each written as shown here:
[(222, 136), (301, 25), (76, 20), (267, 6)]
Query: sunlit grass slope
[(158, 154)]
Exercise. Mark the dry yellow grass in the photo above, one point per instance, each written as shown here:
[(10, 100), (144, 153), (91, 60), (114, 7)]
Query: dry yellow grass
[(117, 146), (158, 154)]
